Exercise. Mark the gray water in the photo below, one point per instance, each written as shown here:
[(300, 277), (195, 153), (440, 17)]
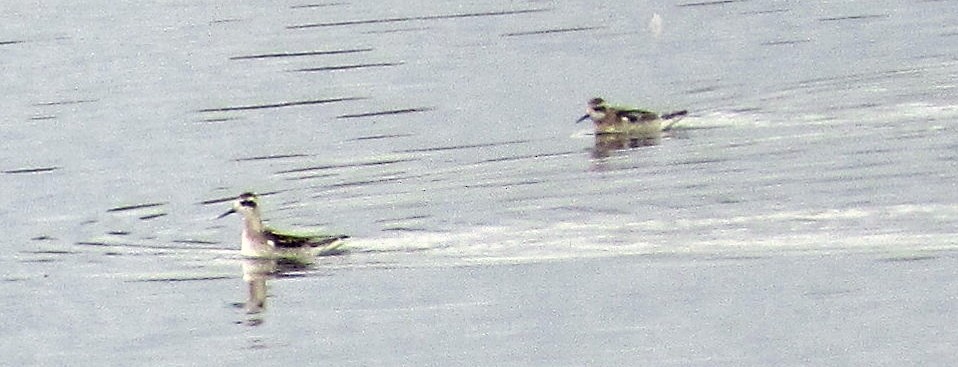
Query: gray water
[(804, 214)]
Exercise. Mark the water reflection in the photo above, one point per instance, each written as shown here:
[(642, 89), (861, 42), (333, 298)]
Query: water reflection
[(255, 273), (606, 144)]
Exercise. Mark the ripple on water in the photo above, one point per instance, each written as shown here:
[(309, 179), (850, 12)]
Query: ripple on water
[(418, 18)]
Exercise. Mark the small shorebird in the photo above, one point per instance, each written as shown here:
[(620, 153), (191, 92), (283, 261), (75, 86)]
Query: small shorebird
[(610, 119), (262, 242)]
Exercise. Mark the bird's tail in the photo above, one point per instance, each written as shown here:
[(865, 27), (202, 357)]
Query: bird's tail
[(672, 115), (329, 240), (330, 246), (676, 115)]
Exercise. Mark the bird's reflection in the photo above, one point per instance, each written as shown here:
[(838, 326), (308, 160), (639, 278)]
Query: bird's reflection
[(255, 273), (606, 144)]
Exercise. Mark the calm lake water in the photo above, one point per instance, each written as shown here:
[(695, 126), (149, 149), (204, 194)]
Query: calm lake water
[(805, 213)]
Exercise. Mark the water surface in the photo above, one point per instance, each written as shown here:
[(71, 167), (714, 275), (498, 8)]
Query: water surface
[(814, 181)]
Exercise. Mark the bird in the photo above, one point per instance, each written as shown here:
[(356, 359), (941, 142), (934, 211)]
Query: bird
[(609, 119), (260, 241)]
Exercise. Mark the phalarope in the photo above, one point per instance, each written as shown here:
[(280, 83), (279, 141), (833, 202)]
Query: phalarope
[(260, 241), (610, 119)]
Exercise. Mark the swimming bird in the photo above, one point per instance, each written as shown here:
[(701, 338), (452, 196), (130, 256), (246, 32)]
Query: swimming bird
[(260, 241), (609, 119)]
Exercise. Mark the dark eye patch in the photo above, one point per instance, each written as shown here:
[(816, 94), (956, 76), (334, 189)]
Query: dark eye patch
[(248, 203)]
